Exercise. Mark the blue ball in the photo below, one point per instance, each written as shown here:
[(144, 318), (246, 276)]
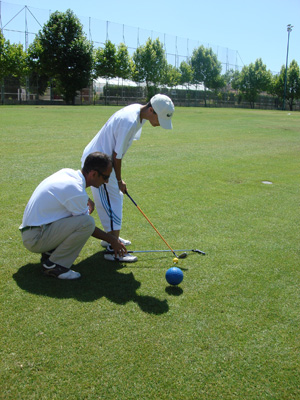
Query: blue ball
[(174, 276)]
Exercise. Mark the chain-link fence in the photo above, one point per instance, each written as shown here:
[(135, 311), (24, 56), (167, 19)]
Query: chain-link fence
[(20, 24)]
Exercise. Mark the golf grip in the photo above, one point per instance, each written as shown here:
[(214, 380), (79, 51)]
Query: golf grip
[(150, 223)]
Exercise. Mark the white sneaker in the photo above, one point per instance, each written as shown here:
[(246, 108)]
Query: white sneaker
[(70, 275), (58, 271), (110, 256), (124, 241)]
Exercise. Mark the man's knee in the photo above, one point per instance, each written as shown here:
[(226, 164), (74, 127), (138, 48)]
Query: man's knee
[(88, 223)]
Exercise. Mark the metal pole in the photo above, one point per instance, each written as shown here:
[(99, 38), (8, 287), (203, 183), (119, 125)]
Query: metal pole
[(289, 29), (26, 48)]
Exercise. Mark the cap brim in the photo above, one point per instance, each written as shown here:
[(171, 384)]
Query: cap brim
[(165, 123)]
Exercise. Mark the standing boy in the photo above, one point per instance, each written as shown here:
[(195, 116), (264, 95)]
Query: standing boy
[(114, 139)]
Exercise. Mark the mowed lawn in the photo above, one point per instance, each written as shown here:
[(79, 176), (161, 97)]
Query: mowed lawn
[(230, 330)]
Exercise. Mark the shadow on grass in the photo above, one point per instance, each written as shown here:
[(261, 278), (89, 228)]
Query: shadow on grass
[(174, 290), (100, 278)]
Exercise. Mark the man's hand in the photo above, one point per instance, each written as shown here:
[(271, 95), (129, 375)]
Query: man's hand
[(122, 186), (117, 163), (91, 206), (118, 247)]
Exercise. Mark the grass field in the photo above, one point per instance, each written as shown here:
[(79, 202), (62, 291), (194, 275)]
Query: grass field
[(229, 331)]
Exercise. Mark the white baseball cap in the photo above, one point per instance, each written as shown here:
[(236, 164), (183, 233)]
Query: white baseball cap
[(164, 108)]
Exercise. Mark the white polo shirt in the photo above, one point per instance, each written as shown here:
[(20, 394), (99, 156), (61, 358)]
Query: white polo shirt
[(59, 196), (118, 133)]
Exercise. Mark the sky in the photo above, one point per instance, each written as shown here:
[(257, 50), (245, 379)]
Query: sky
[(238, 31)]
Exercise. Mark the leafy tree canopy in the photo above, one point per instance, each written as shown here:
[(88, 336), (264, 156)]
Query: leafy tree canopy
[(124, 62), (206, 68), (172, 76), (292, 91), (106, 61), (150, 63), (62, 52), (12, 59), (252, 80), (186, 73)]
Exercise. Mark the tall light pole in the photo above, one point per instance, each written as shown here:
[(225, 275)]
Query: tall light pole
[(289, 30)]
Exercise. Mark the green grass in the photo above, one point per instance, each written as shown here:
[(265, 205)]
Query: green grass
[(229, 331)]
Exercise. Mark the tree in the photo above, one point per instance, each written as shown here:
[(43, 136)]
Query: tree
[(230, 77), (172, 76), (62, 52), (124, 62), (206, 69), (149, 64), (234, 80), (12, 61), (252, 80), (292, 84), (38, 79), (106, 61), (186, 73), (186, 77), (277, 86)]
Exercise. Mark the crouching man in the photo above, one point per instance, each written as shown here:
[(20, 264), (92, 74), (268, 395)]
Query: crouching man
[(57, 221)]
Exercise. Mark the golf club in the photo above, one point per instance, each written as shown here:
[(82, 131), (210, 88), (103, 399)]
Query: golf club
[(151, 224), (182, 255)]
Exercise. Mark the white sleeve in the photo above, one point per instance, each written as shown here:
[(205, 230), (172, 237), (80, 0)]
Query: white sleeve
[(77, 205), (123, 140)]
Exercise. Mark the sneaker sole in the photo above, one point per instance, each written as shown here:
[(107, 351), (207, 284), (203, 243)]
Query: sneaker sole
[(113, 258), (70, 276)]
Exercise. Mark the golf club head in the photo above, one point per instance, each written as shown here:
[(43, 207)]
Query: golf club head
[(199, 251), (183, 255)]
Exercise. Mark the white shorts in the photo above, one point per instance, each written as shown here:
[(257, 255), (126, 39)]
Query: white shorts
[(109, 204)]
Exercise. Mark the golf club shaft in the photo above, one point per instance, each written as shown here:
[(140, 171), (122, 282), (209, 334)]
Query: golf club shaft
[(163, 251), (151, 223)]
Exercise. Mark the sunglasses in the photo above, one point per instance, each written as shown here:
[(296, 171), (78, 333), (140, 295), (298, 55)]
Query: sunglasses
[(105, 177)]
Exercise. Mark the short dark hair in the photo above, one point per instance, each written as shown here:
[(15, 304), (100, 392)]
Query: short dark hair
[(148, 105), (96, 161)]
